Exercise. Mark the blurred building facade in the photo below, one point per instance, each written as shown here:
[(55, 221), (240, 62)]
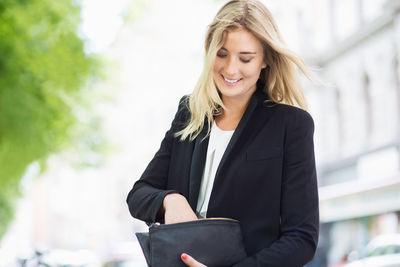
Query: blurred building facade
[(357, 118)]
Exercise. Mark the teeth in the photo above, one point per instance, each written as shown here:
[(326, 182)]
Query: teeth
[(231, 81)]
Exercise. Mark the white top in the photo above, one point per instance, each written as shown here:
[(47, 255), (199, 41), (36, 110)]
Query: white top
[(217, 144)]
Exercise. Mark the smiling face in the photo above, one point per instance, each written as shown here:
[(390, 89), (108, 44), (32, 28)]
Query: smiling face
[(238, 65)]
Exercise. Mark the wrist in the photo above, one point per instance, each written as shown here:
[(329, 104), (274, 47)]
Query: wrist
[(170, 198)]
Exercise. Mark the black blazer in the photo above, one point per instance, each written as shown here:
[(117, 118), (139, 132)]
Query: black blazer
[(266, 179)]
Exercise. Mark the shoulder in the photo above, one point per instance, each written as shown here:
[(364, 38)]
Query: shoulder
[(291, 115), (184, 99), (184, 104), (294, 112), (284, 112), (182, 115)]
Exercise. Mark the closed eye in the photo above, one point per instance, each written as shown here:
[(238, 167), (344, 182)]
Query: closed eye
[(243, 60)]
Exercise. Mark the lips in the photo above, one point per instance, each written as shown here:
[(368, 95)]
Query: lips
[(231, 81)]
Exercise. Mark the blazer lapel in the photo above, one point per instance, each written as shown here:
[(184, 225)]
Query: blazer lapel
[(238, 131), (197, 167)]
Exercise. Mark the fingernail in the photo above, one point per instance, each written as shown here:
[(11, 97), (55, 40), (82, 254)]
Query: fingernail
[(184, 256)]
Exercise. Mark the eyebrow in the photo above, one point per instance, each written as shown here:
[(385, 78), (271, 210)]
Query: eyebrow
[(243, 53)]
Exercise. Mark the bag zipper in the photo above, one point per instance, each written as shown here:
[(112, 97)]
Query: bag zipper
[(156, 224)]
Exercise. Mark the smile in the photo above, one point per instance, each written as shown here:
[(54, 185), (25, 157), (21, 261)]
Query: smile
[(230, 82)]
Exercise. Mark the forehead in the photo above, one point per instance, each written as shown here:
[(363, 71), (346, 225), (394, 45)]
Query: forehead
[(239, 40)]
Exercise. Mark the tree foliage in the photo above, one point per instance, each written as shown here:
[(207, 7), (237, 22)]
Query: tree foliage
[(43, 69)]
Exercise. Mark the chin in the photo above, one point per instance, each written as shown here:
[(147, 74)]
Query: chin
[(234, 92), (231, 94)]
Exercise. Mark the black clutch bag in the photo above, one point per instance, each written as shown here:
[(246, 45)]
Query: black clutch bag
[(213, 242)]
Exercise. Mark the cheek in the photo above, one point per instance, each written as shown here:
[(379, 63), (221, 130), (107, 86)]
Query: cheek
[(215, 73), (217, 66), (251, 71)]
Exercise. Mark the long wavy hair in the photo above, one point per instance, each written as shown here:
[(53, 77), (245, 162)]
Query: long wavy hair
[(280, 77)]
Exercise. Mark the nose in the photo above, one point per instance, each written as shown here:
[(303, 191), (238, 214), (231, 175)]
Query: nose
[(231, 67)]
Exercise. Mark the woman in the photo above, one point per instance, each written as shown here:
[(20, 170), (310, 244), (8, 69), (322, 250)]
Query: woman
[(238, 147)]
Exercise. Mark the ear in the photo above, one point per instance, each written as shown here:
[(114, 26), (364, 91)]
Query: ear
[(264, 65)]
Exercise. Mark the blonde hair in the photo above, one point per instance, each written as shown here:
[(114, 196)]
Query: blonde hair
[(280, 78)]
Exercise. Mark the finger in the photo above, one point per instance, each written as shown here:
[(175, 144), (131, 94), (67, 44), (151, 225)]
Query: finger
[(189, 261)]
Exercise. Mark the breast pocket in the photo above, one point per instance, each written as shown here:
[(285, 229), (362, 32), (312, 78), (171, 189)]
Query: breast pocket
[(258, 153)]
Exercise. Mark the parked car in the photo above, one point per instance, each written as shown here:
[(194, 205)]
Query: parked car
[(382, 251)]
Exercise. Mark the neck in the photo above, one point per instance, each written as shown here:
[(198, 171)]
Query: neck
[(234, 110), (234, 107), (230, 117)]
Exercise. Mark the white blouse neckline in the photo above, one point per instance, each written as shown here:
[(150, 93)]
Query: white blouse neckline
[(219, 129)]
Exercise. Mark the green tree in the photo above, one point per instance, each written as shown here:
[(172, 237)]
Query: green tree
[(44, 72)]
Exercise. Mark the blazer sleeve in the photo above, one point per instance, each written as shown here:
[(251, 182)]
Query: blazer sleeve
[(299, 201), (146, 197)]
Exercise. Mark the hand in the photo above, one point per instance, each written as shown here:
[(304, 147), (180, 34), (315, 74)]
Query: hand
[(189, 261), (177, 209)]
